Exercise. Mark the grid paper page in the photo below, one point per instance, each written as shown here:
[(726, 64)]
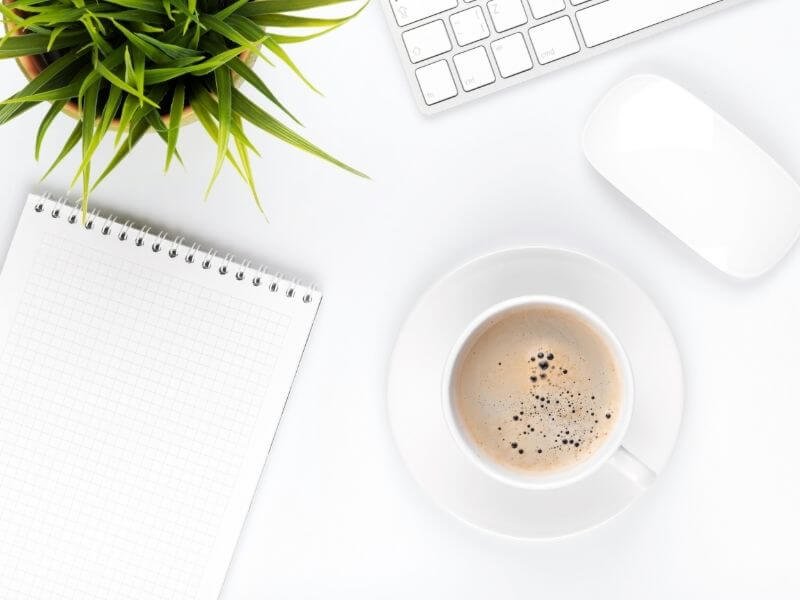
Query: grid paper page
[(130, 405)]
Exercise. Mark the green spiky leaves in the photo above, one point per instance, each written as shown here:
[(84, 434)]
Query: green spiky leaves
[(140, 65)]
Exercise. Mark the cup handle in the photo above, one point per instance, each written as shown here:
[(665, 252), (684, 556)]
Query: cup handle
[(632, 467)]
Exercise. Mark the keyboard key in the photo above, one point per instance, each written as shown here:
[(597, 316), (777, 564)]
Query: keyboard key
[(522, 39), (436, 82), (474, 68), (427, 41), (544, 8), (511, 55), (610, 20), (553, 40), (469, 26), (410, 11), (506, 14)]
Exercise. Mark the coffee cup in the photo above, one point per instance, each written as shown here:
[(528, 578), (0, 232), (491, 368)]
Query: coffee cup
[(538, 337)]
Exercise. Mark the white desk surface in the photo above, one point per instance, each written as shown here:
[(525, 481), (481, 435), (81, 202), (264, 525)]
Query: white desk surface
[(337, 514)]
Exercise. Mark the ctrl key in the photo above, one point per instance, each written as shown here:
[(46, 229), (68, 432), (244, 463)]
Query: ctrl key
[(436, 82)]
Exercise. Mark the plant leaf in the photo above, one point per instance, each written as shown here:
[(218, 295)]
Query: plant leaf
[(152, 6), (172, 51), (160, 75), (247, 74), (242, 147), (137, 72), (265, 7), (160, 128), (280, 53), (55, 108), (230, 9), (109, 112), (97, 39), (60, 93), (222, 78), (136, 133), (54, 76), (225, 29), (281, 20), (87, 126), (54, 36), (106, 73), (71, 142), (175, 116), (151, 52), (250, 31), (138, 126), (208, 123), (37, 43), (204, 98), (261, 119), (129, 106), (280, 38), (111, 61)]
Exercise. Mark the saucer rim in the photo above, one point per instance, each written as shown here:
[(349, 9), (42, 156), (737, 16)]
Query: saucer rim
[(429, 293)]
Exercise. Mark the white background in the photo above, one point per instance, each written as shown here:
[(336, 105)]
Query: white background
[(337, 515)]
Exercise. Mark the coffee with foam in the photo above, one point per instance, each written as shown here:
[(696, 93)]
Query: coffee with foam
[(537, 389)]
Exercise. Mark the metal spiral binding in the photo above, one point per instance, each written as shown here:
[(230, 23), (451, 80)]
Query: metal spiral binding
[(127, 230), (123, 233), (156, 247), (90, 220), (240, 273), (110, 221), (176, 243), (57, 210), (206, 264), (189, 258), (223, 268), (259, 276)]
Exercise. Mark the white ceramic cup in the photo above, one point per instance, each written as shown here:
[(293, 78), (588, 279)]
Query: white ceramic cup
[(611, 452)]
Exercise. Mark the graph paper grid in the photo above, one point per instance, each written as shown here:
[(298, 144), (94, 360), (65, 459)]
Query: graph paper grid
[(128, 399)]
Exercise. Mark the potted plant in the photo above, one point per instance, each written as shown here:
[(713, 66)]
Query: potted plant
[(138, 66)]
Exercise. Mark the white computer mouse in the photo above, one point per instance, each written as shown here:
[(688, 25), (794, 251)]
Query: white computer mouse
[(695, 173)]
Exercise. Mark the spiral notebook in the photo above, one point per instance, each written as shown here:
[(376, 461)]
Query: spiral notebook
[(141, 384)]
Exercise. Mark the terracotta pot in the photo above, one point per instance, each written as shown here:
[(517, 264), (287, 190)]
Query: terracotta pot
[(32, 65)]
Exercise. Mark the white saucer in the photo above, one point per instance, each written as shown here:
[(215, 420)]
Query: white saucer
[(417, 364)]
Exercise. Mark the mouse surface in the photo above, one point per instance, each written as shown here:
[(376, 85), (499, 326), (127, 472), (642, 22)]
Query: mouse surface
[(695, 173)]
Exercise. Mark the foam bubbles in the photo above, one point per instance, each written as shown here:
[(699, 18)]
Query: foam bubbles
[(531, 389)]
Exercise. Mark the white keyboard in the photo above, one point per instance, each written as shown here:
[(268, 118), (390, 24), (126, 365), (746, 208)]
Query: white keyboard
[(458, 50)]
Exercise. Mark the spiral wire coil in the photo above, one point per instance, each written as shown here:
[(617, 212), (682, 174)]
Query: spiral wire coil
[(125, 231)]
